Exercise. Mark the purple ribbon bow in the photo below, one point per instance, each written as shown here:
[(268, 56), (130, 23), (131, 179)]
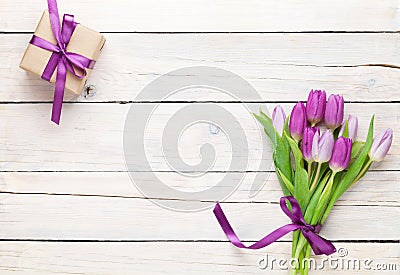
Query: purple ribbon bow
[(318, 244), (60, 58)]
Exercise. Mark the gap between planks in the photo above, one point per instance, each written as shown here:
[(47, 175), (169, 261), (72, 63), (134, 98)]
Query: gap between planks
[(96, 184)]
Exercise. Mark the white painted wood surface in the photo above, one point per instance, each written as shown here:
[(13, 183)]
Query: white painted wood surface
[(98, 184), (98, 218), (167, 257), (213, 16), (281, 67), (67, 204), (94, 135)]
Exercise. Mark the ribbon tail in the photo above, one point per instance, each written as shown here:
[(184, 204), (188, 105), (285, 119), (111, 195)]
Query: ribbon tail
[(233, 238), (51, 66), (318, 244), (59, 92)]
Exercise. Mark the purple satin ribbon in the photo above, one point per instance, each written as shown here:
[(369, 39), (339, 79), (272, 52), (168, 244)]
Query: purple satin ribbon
[(61, 59), (318, 244)]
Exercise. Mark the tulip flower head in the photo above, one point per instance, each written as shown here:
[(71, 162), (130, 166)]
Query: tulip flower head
[(352, 127), (278, 119), (315, 107), (298, 121), (334, 111), (341, 154), (380, 145), (322, 146), (306, 143)]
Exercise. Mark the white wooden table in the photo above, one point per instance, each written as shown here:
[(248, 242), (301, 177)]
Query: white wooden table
[(67, 204)]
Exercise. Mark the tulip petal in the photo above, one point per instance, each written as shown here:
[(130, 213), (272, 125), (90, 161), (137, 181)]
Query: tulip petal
[(381, 145)]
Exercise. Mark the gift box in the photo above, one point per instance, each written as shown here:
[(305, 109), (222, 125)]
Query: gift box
[(63, 52), (84, 41)]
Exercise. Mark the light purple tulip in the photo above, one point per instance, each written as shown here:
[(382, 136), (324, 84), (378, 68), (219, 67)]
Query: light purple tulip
[(334, 111), (306, 143), (315, 107), (380, 146), (341, 154), (298, 121), (278, 119), (322, 146), (352, 127)]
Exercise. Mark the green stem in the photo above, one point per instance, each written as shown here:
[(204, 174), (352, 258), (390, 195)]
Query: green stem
[(300, 244), (328, 209), (315, 197), (309, 168), (301, 257), (307, 256), (365, 168), (323, 201), (295, 239), (295, 270), (314, 184), (319, 210)]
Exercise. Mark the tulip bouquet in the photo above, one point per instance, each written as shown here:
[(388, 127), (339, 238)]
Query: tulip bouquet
[(317, 158)]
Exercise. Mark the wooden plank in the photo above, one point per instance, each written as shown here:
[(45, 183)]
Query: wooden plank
[(214, 16), (376, 188), (107, 218), (174, 258), (90, 137), (280, 66)]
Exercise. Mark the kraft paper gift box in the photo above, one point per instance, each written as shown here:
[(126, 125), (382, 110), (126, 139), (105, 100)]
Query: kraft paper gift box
[(84, 41)]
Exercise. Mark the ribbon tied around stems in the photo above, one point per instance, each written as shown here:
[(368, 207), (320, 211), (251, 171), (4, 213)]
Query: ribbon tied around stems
[(60, 59), (318, 244)]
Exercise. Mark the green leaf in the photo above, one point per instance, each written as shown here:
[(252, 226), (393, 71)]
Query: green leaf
[(282, 157), (286, 126), (285, 190), (268, 127), (356, 150), (298, 155), (301, 189), (366, 163), (346, 129), (287, 182)]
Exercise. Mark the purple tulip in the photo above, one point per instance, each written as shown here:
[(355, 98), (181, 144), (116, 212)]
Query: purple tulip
[(315, 107), (322, 146), (298, 121), (306, 143), (278, 119), (380, 146), (341, 154), (352, 127), (334, 111)]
